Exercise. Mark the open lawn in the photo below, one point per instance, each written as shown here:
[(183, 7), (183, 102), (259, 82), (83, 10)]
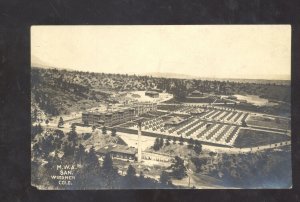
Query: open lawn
[(253, 138), (270, 122)]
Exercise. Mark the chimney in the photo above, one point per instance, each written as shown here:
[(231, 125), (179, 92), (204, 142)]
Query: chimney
[(139, 141)]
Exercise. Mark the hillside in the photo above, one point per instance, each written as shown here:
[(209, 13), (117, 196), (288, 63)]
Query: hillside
[(60, 91)]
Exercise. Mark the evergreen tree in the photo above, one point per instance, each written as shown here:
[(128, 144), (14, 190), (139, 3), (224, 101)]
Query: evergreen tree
[(142, 176), (35, 115), (104, 130), (72, 136), (156, 145), (68, 150), (60, 122), (80, 154), (59, 134), (165, 178), (109, 173), (92, 162), (113, 132), (167, 142), (161, 143), (181, 140), (131, 172), (107, 165), (36, 151), (73, 128), (197, 147), (178, 168), (39, 129), (174, 140), (191, 143)]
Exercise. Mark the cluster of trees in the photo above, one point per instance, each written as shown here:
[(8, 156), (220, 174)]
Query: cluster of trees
[(268, 169), (89, 172), (49, 86), (179, 170), (45, 102), (47, 143), (158, 143), (195, 145), (36, 129), (79, 84)]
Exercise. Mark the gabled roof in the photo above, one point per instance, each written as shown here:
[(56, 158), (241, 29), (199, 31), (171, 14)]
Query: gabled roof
[(117, 148), (196, 91), (152, 92), (174, 120)]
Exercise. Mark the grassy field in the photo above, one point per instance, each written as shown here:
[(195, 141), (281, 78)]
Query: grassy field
[(252, 138), (265, 121)]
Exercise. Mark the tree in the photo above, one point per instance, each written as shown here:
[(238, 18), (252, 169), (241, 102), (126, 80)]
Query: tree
[(80, 154), (181, 140), (197, 147), (35, 115), (142, 176), (73, 128), (104, 130), (167, 142), (109, 173), (131, 172), (244, 124), (72, 136), (161, 143), (68, 150), (178, 168), (212, 154), (92, 161), (174, 140), (113, 132), (93, 128), (191, 143), (165, 178), (107, 165), (39, 129), (156, 145), (60, 122), (36, 151)]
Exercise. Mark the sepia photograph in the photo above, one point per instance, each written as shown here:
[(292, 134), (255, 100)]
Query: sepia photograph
[(160, 107)]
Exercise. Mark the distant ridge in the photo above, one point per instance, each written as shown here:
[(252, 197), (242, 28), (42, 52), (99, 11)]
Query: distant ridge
[(182, 76)]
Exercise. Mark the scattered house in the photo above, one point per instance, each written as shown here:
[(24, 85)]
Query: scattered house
[(196, 93), (152, 94), (232, 97), (118, 152)]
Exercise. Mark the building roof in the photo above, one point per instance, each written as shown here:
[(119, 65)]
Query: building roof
[(117, 149), (197, 111), (174, 120), (124, 150), (152, 92), (196, 91), (105, 150)]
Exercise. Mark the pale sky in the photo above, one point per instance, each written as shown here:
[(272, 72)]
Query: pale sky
[(215, 51)]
